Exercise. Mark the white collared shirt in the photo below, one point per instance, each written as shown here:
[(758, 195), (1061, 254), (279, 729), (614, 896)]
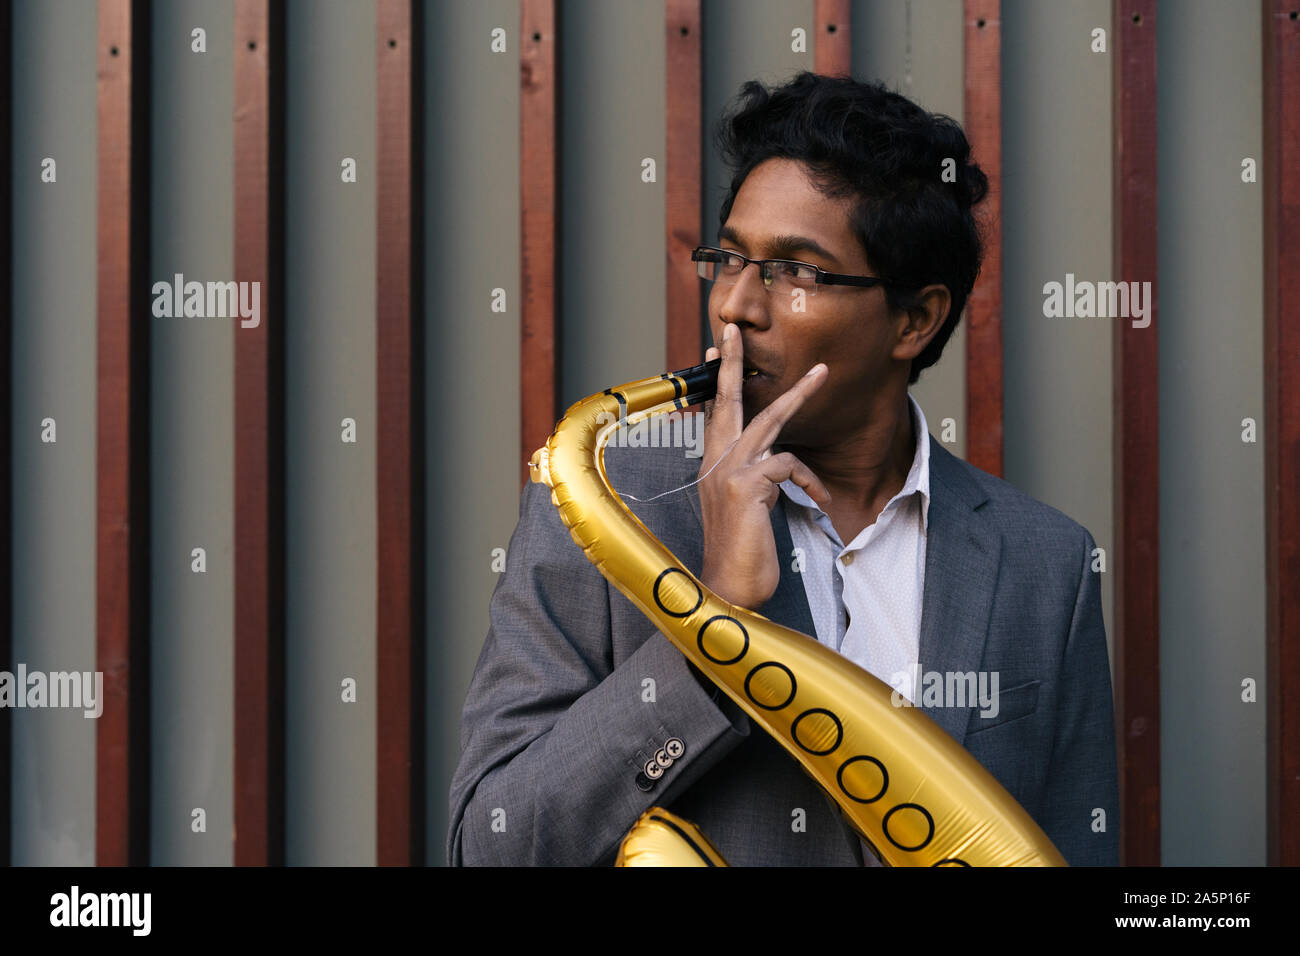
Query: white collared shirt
[(865, 598)]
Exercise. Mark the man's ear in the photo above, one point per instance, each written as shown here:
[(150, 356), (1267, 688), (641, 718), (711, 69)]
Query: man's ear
[(924, 319)]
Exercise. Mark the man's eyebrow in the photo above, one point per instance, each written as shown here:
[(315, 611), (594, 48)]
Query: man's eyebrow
[(783, 245)]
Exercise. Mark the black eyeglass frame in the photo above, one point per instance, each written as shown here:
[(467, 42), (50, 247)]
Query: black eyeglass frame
[(822, 277)]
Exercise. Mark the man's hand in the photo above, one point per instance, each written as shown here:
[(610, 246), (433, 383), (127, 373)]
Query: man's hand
[(736, 499)]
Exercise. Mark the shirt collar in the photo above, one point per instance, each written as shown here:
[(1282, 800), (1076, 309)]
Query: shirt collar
[(918, 477)]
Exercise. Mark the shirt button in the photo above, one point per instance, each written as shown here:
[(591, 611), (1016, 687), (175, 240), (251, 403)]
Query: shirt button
[(847, 559)]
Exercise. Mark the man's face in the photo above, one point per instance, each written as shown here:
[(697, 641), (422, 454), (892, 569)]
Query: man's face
[(779, 214)]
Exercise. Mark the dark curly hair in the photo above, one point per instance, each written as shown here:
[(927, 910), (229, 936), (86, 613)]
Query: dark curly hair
[(864, 141)]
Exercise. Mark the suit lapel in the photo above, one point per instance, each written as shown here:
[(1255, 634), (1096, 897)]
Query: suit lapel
[(789, 605), (962, 553)]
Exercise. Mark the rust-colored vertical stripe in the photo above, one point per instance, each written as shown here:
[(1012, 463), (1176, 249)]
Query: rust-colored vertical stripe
[(832, 47), (1282, 423), (121, 435), (982, 30), (6, 417), (683, 182), (259, 437), (1136, 437), (539, 332), (399, 838)]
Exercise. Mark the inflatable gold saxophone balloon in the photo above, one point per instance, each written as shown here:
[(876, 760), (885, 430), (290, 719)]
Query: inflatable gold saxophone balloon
[(660, 838), (913, 793)]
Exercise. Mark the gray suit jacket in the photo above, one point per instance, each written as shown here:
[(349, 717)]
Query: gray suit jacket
[(560, 717)]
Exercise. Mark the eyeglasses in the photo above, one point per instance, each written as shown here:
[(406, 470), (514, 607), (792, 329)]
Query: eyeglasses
[(783, 276)]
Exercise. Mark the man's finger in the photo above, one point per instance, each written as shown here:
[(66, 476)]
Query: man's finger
[(727, 420), (767, 424), (786, 465), (709, 355)]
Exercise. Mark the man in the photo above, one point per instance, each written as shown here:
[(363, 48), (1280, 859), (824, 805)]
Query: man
[(820, 501)]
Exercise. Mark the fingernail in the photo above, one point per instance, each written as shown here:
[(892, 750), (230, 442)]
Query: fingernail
[(727, 333), (815, 369)]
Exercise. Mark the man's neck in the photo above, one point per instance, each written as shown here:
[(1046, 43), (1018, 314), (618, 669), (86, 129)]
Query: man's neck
[(865, 469)]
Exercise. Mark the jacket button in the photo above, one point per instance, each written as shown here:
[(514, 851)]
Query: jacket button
[(653, 770), (644, 783), (675, 747), (662, 758)]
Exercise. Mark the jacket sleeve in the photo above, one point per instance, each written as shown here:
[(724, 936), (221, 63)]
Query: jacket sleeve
[(1082, 775), (553, 736)]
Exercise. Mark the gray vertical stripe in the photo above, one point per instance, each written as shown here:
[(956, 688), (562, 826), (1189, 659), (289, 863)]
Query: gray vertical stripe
[(330, 376), (1211, 483), (611, 270), (471, 357), (54, 377), (1056, 156), (192, 439)]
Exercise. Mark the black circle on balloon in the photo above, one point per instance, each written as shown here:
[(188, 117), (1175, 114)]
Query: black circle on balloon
[(699, 595), (884, 781), (951, 861), (744, 649), (839, 731), (750, 676), (884, 824)]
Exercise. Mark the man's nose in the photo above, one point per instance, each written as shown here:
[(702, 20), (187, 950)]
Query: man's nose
[(746, 299)]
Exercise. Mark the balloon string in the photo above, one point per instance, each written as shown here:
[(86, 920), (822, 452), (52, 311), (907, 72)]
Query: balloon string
[(688, 484)]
